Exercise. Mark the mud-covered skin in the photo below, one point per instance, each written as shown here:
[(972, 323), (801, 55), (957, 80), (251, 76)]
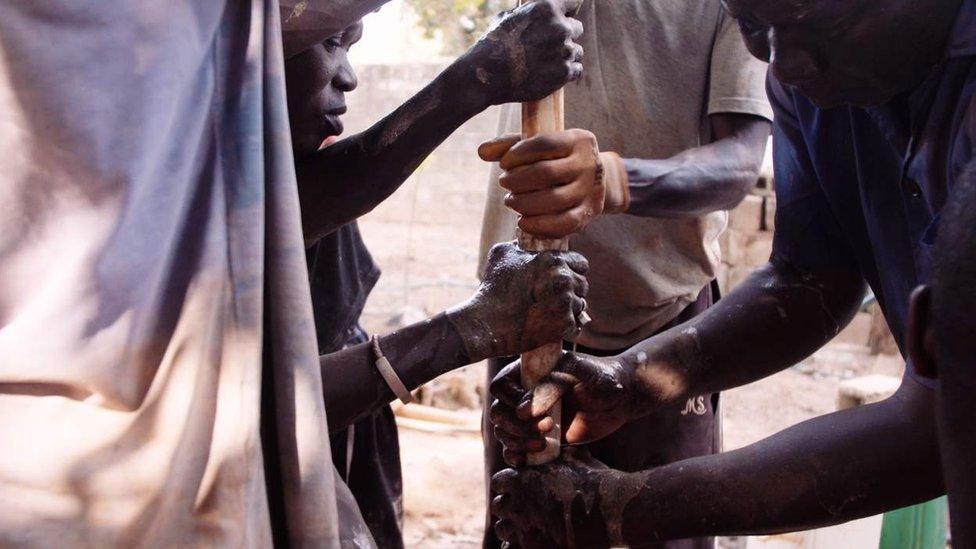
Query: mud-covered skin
[(571, 502), (824, 471), (359, 172), (418, 354), (525, 300), (611, 399), (773, 320), (704, 179), (528, 54)]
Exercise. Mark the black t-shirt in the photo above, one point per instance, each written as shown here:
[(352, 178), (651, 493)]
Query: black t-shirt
[(342, 273)]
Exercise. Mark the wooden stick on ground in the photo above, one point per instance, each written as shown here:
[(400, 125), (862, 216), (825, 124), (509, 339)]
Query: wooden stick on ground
[(542, 117)]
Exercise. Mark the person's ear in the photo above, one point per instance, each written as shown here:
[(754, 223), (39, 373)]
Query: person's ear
[(920, 336)]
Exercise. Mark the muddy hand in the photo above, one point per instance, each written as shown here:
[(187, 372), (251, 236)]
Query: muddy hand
[(598, 396), (529, 52), (559, 181), (525, 300), (560, 504)]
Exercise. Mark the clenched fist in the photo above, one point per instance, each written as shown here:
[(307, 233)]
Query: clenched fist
[(529, 52), (525, 300)]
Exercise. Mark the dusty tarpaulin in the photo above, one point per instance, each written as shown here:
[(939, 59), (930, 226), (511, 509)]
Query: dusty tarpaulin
[(149, 230)]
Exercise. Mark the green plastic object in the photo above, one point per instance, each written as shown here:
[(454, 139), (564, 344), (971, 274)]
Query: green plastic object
[(921, 526)]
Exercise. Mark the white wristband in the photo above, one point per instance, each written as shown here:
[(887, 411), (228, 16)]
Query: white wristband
[(389, 374)]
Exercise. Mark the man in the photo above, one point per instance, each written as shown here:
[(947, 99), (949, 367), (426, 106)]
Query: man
[(670, 88), (859, 193), (341, 271), (159, 381)]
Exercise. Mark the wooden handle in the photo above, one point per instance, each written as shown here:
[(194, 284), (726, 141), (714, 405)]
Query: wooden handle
[(542, 117)]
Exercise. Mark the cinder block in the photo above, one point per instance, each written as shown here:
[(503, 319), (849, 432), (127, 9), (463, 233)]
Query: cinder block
[(880, 339), (722, 276), (747, 215), (746, 249), (758, 247), (730, 243), (858, 331), (769, 213)]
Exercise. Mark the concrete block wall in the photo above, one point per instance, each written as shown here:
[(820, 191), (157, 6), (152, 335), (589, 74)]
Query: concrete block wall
[(748, 241)]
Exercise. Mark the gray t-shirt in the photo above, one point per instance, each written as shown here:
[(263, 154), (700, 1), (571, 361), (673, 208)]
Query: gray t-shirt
[(653, 72)]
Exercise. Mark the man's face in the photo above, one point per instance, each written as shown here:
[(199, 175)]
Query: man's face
[(317, 80), (861, 52)]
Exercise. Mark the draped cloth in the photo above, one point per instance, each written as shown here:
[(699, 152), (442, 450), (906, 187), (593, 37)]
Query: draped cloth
[(150, 254)]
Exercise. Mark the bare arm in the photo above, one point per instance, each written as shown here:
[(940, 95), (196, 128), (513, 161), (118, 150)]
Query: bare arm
[(774, 319), (716, 176), (525, 300), (356, 174), (824, 471), (559, 182), (418, 353), (527, 55), (777, 317)]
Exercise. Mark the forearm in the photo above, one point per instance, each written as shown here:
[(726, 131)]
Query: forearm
[(825, 471), (525, 301), (690, 184), (353, 387), (351, 177), (716, 176), (774, 319), (344, 12)]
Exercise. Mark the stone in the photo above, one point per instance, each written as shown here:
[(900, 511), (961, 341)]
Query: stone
[(866, 390), (857, 332), (406, 316), (461, 389), (880, 339)]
